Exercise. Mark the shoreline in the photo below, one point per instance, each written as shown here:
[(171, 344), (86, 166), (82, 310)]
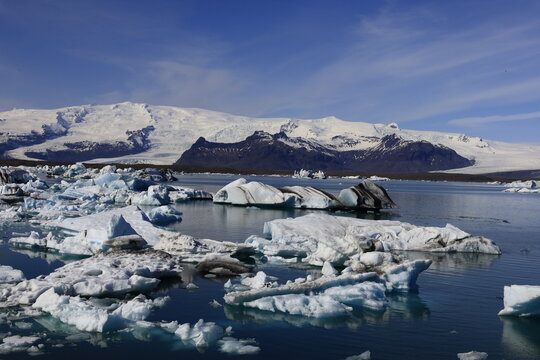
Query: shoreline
[(507, 176)]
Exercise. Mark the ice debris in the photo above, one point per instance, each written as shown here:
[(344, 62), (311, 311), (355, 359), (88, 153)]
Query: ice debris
[(110, 274), (10, 275), (366, 355), (472, 355), (17, 343), (235, 346)]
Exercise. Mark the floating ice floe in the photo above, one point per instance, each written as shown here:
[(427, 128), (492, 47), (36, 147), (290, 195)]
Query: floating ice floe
[(113, 273), (365, 196), (163, 215), (10, 275), (17, 343), (329, 296), (88, 315), (472, 355), (235, 346), (309, 174), (521, 300), (201, 334), (366, 355), (523, 190), (195, 250), (316, 238), (529, 184)]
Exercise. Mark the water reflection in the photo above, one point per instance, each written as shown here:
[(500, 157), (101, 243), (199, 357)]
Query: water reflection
[(456, 262), (521, 337), (407, 306), (49, 257)]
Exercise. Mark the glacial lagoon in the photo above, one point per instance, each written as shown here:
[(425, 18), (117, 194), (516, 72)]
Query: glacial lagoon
[(454, 310)]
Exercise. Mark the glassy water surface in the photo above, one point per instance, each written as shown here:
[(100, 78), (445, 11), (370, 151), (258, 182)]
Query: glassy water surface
[(455, 309)]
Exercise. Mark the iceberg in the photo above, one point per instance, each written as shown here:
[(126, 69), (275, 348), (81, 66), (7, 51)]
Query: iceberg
[(472, 355), (234, 346), (10, 275), (521, 300), (163, 215), (195, 250), (17, 343), (113, 273), (317, 238), (201, 334), (366, 196), (87, 315)]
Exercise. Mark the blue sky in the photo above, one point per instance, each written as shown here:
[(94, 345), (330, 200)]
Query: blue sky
[(459, 66)]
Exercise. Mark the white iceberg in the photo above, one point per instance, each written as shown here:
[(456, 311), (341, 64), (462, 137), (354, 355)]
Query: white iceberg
[(17, 343), (10, 275), (202, 334), (234, 346), (191, 249), (521, 300), (240, 192), (319, 237), (317, 306), (87, 315), (114, 273), (529, 184), (472, 355), (163, 215)]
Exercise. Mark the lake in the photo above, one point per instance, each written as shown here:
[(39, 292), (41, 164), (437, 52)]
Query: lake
[(455, 309)]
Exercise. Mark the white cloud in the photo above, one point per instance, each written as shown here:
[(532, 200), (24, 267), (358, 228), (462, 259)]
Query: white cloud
[(476, 121)]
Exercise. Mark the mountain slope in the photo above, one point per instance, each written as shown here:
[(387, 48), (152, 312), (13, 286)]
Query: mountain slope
[(129, 132), (280, 152)]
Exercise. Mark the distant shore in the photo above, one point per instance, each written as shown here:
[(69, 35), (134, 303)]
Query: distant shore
[(508, 176)]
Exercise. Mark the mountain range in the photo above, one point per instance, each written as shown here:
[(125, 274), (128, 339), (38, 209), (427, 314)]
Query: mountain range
[(140, 133)]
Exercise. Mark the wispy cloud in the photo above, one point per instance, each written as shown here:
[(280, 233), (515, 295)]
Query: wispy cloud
[(481, 120)]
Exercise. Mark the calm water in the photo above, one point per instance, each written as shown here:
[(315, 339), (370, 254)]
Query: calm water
[(455, 309)]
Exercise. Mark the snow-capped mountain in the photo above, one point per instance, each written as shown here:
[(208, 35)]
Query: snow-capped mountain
[(131, 133), (281, 152)]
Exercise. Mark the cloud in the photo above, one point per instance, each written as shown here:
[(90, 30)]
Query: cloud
[(476, 121)]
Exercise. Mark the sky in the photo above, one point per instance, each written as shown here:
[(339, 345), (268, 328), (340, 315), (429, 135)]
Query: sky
[(456, 66)]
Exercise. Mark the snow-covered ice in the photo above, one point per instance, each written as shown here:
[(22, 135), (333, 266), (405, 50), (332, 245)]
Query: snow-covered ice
[(317, 238), (201, 334), (235, 346), (10, 275), (472, 355), (113, 273), (521, 300)]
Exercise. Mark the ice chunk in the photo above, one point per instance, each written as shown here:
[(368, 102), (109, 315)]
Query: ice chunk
[(234, 346), (328, 269), (163, 215), (113, 273), (366, 355), (312, 198), (156, 195), (521, 300), (472, 355), (318, 306), (202, 334), (366, 195), (10, 275), (86, 315), (368, 294), (17, 343), (191, 249)]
